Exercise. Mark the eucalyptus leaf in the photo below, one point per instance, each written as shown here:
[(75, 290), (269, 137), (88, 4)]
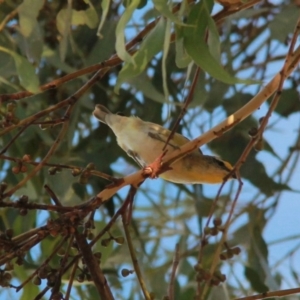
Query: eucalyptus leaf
[(195, 44), (26, 72), (120, 35), (105, 4), (163, 7), (28, 12), (256, 283), (150, 46), (283, 23)]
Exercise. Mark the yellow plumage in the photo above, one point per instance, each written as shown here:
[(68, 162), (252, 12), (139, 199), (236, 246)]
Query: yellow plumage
[(143, 141)]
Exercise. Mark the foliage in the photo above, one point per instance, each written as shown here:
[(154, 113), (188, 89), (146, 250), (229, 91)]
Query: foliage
[(69, 228)]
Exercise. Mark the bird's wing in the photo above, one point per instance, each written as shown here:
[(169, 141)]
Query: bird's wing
[(136, 158), (161, 134)]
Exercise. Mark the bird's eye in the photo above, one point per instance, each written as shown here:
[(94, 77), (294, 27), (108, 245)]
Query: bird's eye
[(224, 165), (220, 163)]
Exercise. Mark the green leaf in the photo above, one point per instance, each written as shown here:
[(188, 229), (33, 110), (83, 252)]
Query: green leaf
[(32, 45), (255, 281), (29, 289), (150, 46), (213, 40), (120, 36), (216, 95), (219, 292), (28, 12), (67, 17), (182, 59), (163, 7), (63, 23), (143, 84), (91, 16), (288, 103), (105, 4), (284, 23), (259, 249), (63, 182), (252, 169), (195, 44), (53, 59), (258, 252), (85, 17), (26, 72), (204, 206), (105, 251)]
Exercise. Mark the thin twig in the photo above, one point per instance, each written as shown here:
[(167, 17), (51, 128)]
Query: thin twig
[(187, 101), (52, 195), (132, 249), (110, 63), (8, 17), (217, 252), (40, 295), (62, 265), (70, 283), (15, 137), (175, 264), (279, 294), (43, 264), (61, 166), (112, 221)]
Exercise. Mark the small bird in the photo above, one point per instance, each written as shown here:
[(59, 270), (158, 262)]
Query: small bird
[(144, 141)]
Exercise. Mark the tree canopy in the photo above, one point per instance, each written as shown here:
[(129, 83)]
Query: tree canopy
[(79, 218)]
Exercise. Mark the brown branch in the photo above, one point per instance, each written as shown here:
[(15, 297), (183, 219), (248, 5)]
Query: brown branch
[(36, 116), (280, 293), (15, 137), (21, 249), (52, 195), (228, 11), (35, 206), (110, 63), (94, 268), (61, 166), (42, 293)]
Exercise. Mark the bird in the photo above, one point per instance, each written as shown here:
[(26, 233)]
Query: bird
[(144, 142)]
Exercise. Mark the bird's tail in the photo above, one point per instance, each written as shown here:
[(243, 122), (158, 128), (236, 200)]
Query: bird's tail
[(100, 113)]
